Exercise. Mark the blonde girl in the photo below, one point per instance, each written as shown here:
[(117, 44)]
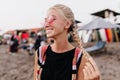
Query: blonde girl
[(60, 55)]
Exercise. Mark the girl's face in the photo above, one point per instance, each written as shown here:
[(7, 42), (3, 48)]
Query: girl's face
[(55, 24)]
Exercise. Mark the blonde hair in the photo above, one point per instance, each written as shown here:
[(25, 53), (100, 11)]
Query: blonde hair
[(67, 13)]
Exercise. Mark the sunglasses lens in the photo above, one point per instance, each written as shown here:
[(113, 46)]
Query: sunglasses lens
[(49, 20)]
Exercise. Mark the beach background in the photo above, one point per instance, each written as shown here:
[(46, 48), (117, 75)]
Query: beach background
[(29, 14), (19, 66)]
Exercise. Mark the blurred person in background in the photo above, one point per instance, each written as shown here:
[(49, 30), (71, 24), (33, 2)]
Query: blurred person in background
[(39, 41), (14, 43)]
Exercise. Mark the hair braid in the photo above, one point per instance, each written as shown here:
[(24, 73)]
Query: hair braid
[(78, 41), (76, 37)]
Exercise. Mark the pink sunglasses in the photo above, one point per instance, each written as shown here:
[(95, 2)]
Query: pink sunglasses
[(49, 20)]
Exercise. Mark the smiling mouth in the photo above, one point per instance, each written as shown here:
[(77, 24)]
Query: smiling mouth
[(49, 31)]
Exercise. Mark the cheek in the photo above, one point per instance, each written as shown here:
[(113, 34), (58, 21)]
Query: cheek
[(60, 24), (59, 29)]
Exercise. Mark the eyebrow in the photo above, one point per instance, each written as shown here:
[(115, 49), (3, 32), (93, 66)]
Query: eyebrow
[(51, 15), (54, 16)]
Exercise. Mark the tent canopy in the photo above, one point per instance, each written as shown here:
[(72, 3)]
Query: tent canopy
[(102, 13), (98, 23), (77, 21)]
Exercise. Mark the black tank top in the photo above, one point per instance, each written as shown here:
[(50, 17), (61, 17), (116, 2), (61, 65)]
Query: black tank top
[(58, 66)]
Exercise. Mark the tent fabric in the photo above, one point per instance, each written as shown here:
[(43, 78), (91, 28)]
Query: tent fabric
[(98, 23), (102, 13)]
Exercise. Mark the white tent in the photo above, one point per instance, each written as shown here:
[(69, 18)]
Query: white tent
[(98, 23)]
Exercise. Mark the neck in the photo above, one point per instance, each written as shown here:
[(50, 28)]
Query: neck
[(61, 44)]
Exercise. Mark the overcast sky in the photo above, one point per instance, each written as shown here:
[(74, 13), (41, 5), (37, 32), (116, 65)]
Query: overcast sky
[(29, 13)]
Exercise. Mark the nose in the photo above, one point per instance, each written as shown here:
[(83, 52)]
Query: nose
[(46, 24), (49, 21)]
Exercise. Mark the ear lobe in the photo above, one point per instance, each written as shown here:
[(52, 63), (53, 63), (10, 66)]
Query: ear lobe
[(68, 23)]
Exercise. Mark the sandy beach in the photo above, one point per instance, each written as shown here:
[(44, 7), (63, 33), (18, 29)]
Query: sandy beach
[(20, 66)]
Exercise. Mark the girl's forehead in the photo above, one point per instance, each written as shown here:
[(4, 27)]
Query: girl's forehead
[(56, 13), (53, 12)]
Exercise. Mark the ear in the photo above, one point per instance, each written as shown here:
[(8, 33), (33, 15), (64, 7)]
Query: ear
[(68, 23)]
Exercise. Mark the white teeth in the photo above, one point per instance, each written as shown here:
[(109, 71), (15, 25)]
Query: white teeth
[(48, 31)]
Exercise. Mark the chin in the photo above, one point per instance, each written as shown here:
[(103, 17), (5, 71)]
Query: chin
[(49, 36)]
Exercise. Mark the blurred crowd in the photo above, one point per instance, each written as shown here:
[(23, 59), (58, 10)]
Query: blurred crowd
[(23, 40)]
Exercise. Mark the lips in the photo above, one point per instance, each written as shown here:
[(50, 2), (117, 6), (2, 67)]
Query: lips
[(49, 30)]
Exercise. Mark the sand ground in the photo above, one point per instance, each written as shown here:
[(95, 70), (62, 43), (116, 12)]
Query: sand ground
[(20, 66)]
